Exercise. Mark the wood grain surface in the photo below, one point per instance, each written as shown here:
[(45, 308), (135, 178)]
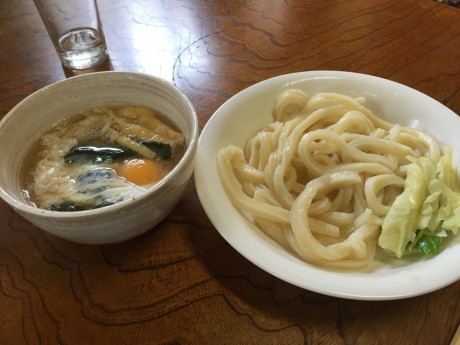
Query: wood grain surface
[(181, 283)]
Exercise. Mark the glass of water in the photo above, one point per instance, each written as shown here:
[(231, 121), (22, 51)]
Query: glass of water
[(75, 28)]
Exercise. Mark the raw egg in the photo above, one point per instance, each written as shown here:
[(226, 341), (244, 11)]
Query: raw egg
[(141, 171)]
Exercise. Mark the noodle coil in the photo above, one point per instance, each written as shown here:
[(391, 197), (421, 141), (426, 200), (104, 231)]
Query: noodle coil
[(319, 180)]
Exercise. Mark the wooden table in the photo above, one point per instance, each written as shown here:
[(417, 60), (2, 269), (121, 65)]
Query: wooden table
[(181, 283)]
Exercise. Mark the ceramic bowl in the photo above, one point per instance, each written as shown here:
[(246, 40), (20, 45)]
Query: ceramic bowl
[(248, 111), (20, 129)]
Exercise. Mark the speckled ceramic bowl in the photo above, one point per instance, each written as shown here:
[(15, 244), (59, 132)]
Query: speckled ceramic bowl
[(20, 128)]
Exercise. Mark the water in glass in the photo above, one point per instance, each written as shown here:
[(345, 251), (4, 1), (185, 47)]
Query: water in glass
[(82, 48)]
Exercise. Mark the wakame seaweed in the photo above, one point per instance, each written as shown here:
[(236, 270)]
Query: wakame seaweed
[(71, 207), (92, 154), (66, 207), (97, 155), (162, 150)]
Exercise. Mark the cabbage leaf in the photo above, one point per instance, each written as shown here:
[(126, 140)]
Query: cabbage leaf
[(428, 207)]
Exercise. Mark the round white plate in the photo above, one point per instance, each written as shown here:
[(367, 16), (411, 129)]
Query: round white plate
[(245, 113)]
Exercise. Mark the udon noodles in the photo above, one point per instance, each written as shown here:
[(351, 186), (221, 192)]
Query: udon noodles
[(320, 179)]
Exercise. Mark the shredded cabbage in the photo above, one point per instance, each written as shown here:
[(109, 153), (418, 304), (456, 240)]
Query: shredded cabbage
[(428, 207)]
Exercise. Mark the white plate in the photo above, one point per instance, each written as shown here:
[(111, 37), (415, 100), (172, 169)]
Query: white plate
[(245, 113)]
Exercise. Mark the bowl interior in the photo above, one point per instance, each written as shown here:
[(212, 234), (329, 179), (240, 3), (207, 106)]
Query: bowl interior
[(21, 127)]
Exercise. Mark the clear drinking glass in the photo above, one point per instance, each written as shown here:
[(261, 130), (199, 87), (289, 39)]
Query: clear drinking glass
[(75, 29)]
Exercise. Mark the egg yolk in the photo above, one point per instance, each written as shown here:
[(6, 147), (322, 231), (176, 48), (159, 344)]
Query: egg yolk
[(141, 171)]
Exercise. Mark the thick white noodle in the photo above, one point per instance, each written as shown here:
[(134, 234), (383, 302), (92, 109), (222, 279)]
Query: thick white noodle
[(320, 179)]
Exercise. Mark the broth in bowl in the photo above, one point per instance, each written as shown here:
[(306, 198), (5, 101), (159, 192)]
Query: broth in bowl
[(100, 157)]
